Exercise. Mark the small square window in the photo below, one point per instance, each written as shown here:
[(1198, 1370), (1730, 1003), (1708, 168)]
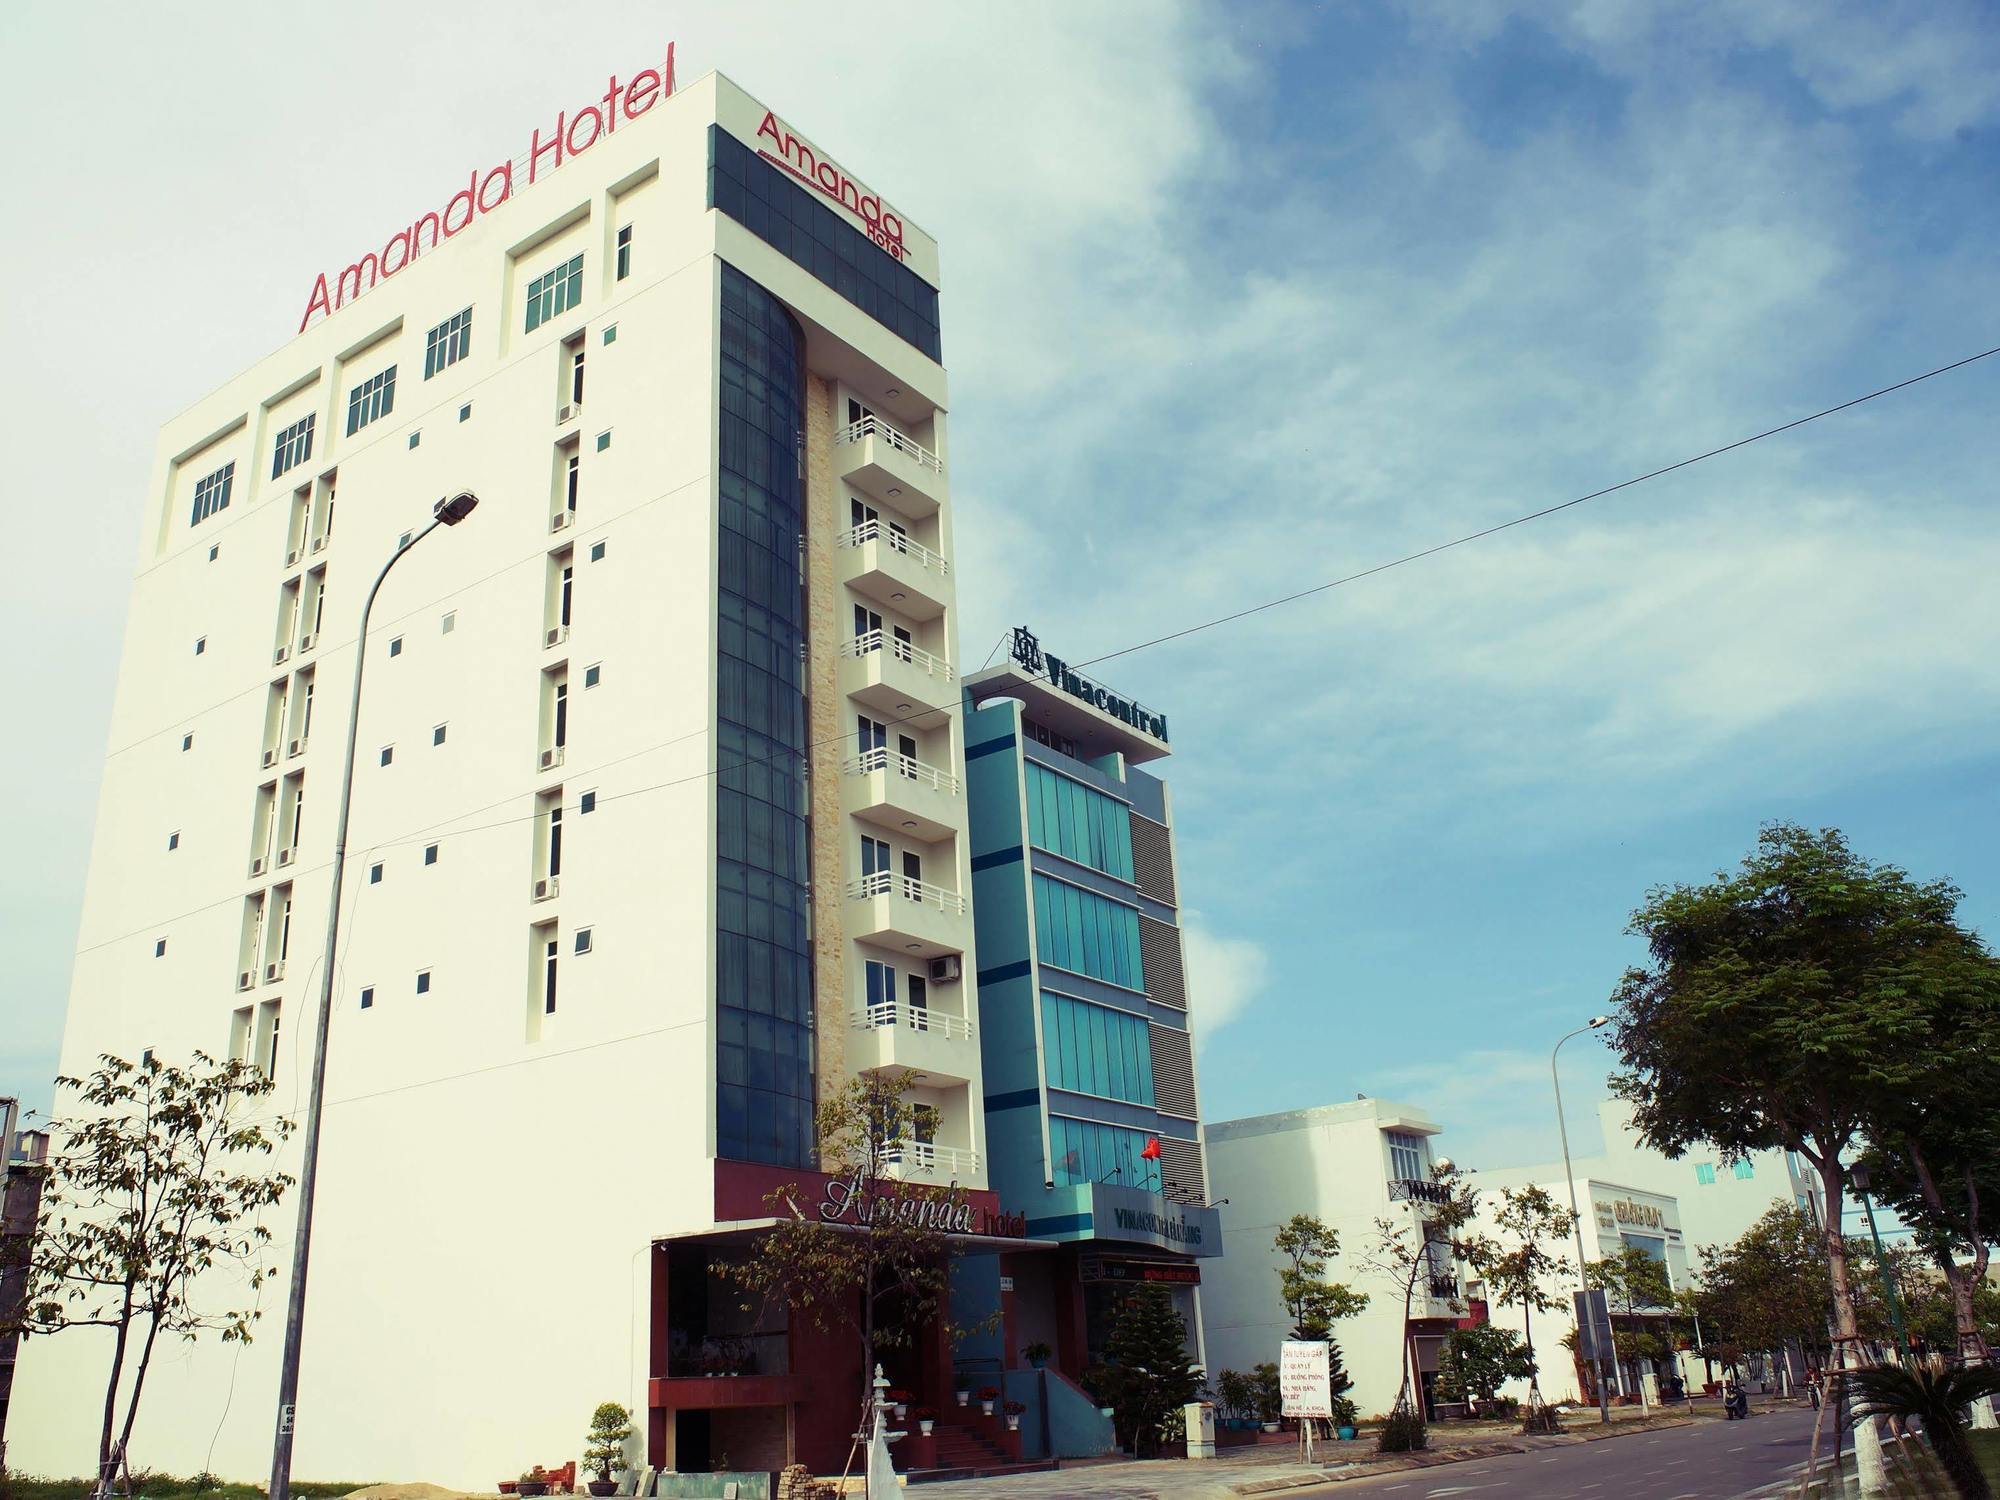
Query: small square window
[(430, 854), (587, 803), (187, 742), (597, 552), (375, 874), (416, 438), (593, 674), (423, 981), (160, 948), (200, 644), (396, 645), (215, 552), (583, 940), (367, 997), (437, 735), (404, 540), (1745, 1170), (450, 622), (603, 441), (388, 754), (1704, 1172), (174, 839), (611, 333), (465, 412), (146, 1058)]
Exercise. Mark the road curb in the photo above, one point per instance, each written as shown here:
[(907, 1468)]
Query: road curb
[(1441, 1457)]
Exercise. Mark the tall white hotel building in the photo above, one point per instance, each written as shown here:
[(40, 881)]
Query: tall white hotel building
[(660, 827)]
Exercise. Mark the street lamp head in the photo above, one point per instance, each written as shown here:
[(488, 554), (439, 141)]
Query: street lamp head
[(457, 508), (1858, 1175), (1595, 1021)]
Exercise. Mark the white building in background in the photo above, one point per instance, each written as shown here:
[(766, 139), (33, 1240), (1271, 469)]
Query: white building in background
[(1347, 1165), (659, 825)]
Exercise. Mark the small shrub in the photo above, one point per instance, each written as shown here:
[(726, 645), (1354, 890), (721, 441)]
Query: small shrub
[(1403, 1432)]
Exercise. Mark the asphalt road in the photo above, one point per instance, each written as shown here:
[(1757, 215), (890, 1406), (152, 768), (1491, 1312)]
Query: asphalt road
[(1709, 1460)]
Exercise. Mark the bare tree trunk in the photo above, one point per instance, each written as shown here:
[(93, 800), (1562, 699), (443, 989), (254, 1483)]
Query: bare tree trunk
[(138, 1384), (111, 1393), (1847, 1337)]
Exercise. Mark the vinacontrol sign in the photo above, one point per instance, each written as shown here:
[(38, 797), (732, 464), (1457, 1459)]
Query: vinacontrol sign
[(1028, 653), (574, 134)]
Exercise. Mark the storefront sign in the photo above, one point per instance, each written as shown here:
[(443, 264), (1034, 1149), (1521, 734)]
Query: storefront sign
[(1095, 1268), (848, 1202), (1305, 1382), (1124, 1213), (1029, 654), (572, 135), (1625, 1211), (798, 159)]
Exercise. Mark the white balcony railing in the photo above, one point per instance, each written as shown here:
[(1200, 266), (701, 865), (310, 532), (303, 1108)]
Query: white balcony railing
[(917, 552), (925, 1156), (881, 759), (913, 1018), (888, 883), (874, 640), (854, 432)]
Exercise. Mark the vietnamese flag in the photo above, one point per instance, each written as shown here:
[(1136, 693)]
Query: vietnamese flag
[(1152, 1151)]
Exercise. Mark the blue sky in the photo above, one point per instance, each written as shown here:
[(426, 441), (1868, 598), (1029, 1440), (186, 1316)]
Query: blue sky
[(1237, 300)]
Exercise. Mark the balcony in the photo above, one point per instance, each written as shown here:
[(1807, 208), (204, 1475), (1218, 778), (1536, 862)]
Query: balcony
[(901, 794), (1418, 1190), (911, 916), (892, 467), (926, 1161), (885, 565), (934, 1043), (900, 681)]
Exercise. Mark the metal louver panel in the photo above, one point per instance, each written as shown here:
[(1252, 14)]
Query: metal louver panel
[(1160, 957), (1173, 1072), (1153, 859), (1181, 1177)]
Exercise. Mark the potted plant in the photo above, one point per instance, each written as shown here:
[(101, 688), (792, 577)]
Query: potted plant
[(988, 1394), (1038, 1354), (1013, 1409), (534, 1482), (1345, 1415), (604, 1450), (964, 1390), (926, 1419), (1270, 1400), (899, 1403), (1234, 1392)]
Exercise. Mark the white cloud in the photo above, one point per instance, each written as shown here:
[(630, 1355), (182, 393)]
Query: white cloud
[(1225, 976)]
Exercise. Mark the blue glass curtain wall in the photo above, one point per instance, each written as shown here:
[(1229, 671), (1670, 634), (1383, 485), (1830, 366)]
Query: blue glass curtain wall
[(1078, 822), (763, 962), (1085, 1151), (1095, 1049), (1086, 933)]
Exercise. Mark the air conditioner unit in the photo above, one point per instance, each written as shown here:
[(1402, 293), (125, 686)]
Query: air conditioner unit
[(247, 978), (297, 747), (273, 972), (569, 413), (557, 634), (281, 656), (319, 543), (944, 970), (560, 521), (552, 757), (285, 857), (309, 640), (291, 557), (271, 756), (257, 865), (544, 889)]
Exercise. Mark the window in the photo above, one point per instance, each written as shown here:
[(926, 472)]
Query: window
[(583, 940), (1062, 744), (388, 754), (294, 445), (1086, 1151), (554, 292), (200, 644), (1095, 1049), (1744, 1170), (449, 623), (404, 540), (396, 645), (447, 343), (174, 840), (160, 948), (1704, 1173), (624, 252), (211, 493), (549, 978), (1068, 818), (1407, 1157), (797, 224), (597, 552), (215, 552), (437, 735), (187, 742), (416, 438), (603, 440), (430, 854), (367, 997), (375, 874), (587, 803), (576, 375), (880, 983), (1087, 933), (423, 981), (465, 412), (374, 397), (593, 674), (610, 333)]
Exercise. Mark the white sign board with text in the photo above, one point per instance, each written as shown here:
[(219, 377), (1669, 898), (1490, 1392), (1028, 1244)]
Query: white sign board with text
[(1303, 1380)]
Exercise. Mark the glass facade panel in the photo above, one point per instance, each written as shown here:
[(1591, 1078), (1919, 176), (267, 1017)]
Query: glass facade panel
[(1078, 822), (1087, 933), (764, 1008), (1094, 1049), (1085, 1151)]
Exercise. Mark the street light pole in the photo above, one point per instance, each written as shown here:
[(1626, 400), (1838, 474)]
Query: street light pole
[(448, 513), (1858, 1175), (1569, 1172)]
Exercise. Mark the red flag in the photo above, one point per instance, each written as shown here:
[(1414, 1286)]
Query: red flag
[(1152, 1151)]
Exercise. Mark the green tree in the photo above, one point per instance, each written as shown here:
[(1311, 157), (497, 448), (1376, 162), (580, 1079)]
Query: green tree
[(1423, 1247), (1152, 1377), (1767, 1289), (1475, 1362), (1313, 1302), (1519, 1266), (158, 1180), (876, 1260), (610, 1430), (1793, 1003)]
